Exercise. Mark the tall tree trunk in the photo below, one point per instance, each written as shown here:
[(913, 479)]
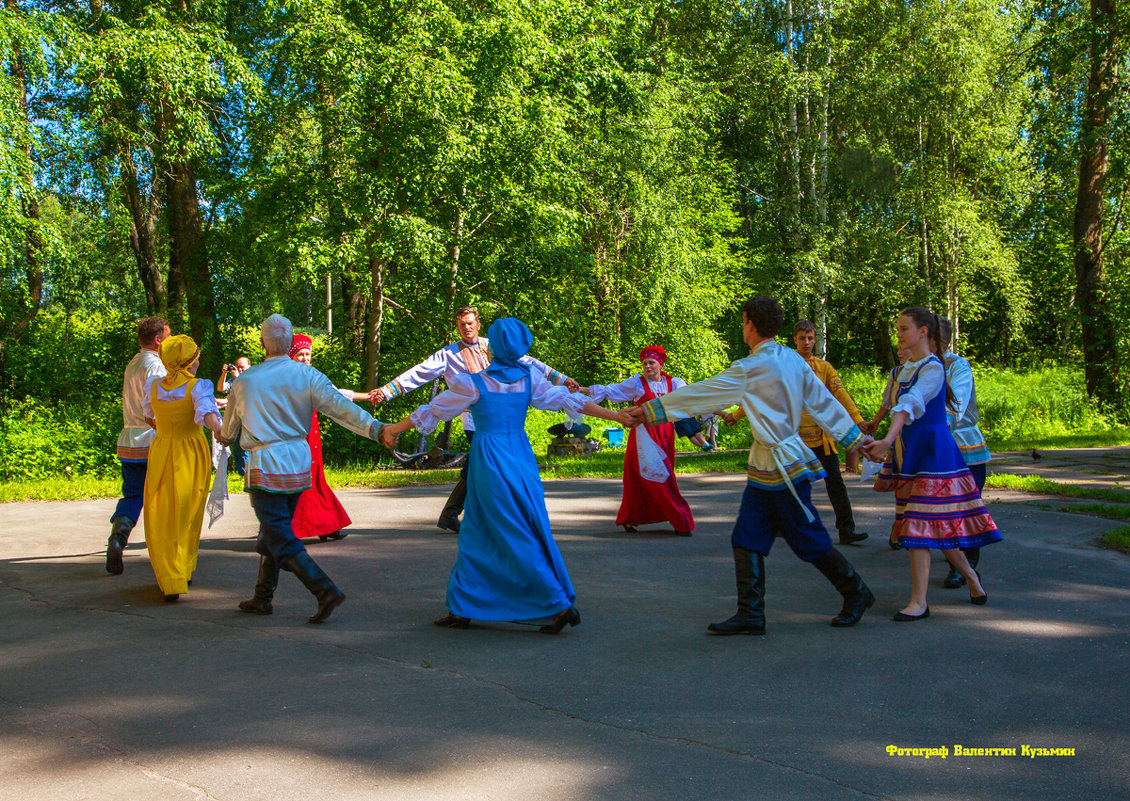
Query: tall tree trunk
[(356, 306), (456, 249), (11, 329), (376, 319), (821, 192), (143, 232), (1100, 358), (190, 254)]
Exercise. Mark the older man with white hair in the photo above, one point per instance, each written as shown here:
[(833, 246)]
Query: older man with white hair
[(274, 402)]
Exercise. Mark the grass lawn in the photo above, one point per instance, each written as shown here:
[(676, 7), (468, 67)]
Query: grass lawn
[(607, 464)]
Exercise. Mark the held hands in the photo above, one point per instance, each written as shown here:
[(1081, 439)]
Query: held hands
[(728, 418), (876, 450), (633, 416), (391, 432), (868, 427), (376, 396), (573, 386)]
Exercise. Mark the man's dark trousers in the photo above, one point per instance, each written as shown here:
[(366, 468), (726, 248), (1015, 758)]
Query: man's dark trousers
[(275, 511), (837, 492)]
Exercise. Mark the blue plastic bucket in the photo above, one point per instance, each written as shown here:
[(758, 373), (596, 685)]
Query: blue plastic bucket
[(615, 437)]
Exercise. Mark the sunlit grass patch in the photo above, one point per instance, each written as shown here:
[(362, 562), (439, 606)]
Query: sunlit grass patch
[(1049, 487), (1119, 539)]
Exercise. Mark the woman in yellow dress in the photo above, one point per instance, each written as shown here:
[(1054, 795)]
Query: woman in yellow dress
[(180, 464)]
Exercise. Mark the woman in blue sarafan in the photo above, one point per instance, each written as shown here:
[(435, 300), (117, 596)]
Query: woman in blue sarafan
[(508, 567)]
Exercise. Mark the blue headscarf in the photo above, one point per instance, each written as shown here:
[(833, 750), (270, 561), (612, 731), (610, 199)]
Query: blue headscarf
[(509, 340)]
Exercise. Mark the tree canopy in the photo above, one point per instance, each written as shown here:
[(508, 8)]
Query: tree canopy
[(614, 173)]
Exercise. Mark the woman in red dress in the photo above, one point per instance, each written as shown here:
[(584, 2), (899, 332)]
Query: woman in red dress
[(319, 513), (648, 501)]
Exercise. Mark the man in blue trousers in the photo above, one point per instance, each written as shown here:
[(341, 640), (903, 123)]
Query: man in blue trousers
[(134, 439)]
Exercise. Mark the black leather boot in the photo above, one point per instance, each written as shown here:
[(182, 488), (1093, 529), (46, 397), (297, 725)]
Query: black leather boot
[(121, 526), (953, 579), (567, 617), (314, 579), (260, 602), (749, 568), (449, 517), (857, 597)]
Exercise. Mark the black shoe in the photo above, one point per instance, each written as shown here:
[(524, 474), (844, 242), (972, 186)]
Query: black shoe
[(684, 533), (979, 600), (953, 580), (450, 621), (851, 537), (449, 523), (901, 617), (172, 597), (337, 535), (896, 545), (317, 582), (567, 617), (631, 529), (738, 624)]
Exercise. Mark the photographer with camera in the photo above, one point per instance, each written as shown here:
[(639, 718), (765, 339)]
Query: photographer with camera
[(223, 384)]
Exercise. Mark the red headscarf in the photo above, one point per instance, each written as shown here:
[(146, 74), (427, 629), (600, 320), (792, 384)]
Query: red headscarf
[(300, 341), (654, 352)]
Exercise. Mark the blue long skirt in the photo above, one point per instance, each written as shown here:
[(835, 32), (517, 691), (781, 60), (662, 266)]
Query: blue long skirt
[(508, 566)]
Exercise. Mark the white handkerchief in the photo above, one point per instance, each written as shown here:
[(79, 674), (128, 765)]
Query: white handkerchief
[(868, 470), (219, 493), (651, 456)]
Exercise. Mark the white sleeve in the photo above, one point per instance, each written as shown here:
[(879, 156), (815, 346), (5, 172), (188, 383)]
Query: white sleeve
[(625, 391), (717, 392), (147, 396), (552, 398), (552, 375), (327, 400), (931, 376), (448, 405), (203, 401), (429, 369), (960, 382)]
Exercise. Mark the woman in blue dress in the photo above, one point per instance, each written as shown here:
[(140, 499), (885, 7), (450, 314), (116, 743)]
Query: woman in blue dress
[(937, 503), (508, 567)]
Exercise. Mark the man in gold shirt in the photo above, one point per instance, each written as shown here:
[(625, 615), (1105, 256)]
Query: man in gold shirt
[(804, 334)]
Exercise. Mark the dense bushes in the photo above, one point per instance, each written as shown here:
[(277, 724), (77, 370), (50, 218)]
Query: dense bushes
[(62, 409)]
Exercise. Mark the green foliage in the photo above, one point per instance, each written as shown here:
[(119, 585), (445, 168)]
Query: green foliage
[(1119, 539), (38, 440), (1048, 487), (615, 174), (1115, 512), (1044, 408)]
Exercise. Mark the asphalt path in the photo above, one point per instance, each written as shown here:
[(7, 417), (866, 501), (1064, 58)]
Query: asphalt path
[(106, 692)]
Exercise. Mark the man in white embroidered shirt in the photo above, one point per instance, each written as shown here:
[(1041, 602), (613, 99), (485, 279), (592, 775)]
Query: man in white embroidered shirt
[(134, 439), (774, 386), (470, 354), (274, 402)]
